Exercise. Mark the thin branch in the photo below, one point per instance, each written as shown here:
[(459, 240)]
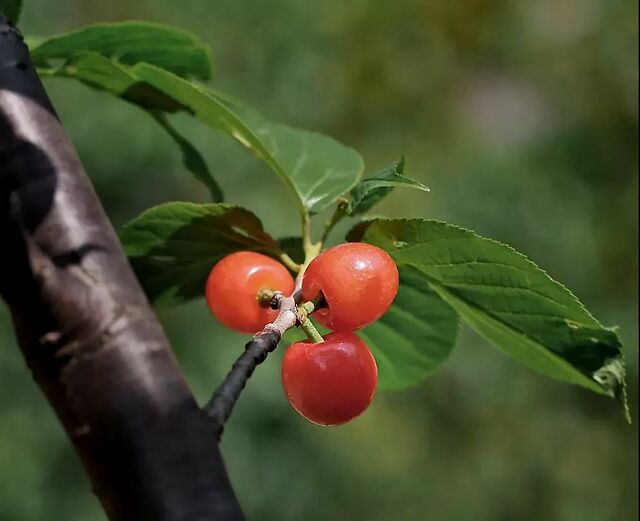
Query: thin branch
[(219, 407), (292, 313), (221, 404)]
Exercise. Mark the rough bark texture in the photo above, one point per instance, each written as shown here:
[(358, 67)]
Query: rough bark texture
[(87, 332)]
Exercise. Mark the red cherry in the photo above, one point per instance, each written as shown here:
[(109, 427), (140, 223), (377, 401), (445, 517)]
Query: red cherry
[(359, 282), (233, 286), (331, 382)]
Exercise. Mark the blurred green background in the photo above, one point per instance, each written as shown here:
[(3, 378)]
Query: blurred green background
[(522, 117)]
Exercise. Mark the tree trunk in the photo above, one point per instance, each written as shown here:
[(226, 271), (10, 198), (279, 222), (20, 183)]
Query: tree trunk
[(85, 327)]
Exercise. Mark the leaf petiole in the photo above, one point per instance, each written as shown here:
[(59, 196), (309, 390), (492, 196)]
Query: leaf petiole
[(339, 213), (311, 249)]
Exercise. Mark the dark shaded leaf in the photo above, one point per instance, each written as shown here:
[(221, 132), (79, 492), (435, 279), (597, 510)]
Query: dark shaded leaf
[(292, 246), (192, 159), (11, 9), (173, 246), (105, 74)]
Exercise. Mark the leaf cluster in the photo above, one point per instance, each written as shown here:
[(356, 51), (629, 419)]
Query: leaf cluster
[(448, 275)]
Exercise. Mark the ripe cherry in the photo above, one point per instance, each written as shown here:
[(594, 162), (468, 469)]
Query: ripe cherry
[(331, 382), (234, 285), (359, 282)]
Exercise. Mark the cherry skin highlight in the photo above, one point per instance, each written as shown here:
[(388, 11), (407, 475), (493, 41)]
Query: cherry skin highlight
[(233, 286), (359, 282), (331, 382)]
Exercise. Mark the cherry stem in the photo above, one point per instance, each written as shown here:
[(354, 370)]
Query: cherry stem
[(313, 305), (304, 310), (290, 263), (310, 330)]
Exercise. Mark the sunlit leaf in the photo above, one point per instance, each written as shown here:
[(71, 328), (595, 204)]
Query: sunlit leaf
[(315, 167)]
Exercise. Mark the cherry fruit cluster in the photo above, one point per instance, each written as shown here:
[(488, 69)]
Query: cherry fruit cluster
[(329, 382)]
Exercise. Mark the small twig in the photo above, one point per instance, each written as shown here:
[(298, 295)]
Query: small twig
[(291, 314), (222, 402), (219, 407)]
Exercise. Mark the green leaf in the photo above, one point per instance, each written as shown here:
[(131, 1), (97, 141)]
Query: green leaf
[(416, 335), (507, 299), (316, 168), (129, 43), (11, 9), (172, 247), (372, 190), (192, 159), (105, 74)]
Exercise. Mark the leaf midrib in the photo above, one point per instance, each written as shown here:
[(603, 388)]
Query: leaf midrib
[(441, 287)]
